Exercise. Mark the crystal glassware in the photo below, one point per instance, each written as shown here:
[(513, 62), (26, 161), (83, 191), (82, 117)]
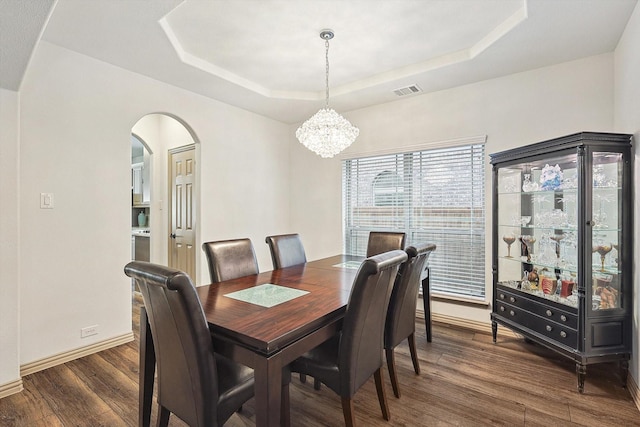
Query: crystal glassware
[(557, 238), (528, 242), (603, 250), (527, 185), (509, 239)]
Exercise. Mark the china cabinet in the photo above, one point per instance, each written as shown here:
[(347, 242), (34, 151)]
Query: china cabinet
[(563, 249)]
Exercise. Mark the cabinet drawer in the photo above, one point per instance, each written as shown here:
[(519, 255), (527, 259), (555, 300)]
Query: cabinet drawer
[(555, 331), (561, 317)]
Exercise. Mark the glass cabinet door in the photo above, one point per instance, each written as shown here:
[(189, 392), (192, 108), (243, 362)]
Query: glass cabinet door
[(606, 232), (537, 228)]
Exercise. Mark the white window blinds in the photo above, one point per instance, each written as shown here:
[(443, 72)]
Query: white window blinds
[(433, 196)]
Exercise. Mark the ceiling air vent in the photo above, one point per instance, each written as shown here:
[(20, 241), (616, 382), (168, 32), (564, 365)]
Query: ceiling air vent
[(409, 90)]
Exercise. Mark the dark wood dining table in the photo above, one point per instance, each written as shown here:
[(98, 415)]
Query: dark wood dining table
[(268, 338)]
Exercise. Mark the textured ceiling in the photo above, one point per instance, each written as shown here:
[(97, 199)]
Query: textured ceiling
[(21, 24), (266, 56)]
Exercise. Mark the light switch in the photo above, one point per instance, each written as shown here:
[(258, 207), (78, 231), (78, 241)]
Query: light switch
[(46, 200)]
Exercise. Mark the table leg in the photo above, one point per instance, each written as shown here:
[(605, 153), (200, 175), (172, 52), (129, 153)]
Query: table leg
[(268, 389), (426, 302), (146, 370)]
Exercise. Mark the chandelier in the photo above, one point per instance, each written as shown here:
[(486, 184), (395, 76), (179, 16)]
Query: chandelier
[(327, 133)]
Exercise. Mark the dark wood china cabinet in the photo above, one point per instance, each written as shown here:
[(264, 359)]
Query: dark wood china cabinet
[(563, 246)]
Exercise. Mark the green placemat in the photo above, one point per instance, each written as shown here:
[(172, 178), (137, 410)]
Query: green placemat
[(266, 295)]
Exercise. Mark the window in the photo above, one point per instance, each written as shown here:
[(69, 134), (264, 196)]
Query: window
[(436, 196)]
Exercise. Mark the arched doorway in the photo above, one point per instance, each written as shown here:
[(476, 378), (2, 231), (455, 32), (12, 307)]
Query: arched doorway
[(163, 134)]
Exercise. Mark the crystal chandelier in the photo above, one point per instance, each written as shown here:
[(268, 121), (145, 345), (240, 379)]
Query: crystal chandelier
[(327, 133)]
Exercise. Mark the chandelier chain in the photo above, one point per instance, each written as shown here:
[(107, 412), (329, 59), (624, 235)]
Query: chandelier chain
[(326, 56)]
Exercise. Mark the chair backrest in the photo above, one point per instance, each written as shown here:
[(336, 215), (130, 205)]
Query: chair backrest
[(230, 259), (187, 377), (401, 315), (361, 342), (383, 241), (286, 250)]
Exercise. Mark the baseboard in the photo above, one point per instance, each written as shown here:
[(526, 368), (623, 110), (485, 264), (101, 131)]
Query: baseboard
[(59, 359), (11, 388), (634, 390), (458, 322), (474, 325)]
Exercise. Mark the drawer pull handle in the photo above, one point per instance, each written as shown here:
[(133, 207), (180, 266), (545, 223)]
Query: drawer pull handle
[(563, 318), (501, 296), (549, 328), (549, 313), (513, 313), (512, 299), (501, 308), (563, 334)]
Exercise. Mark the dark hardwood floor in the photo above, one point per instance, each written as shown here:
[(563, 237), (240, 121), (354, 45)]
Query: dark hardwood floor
[(466, 380)]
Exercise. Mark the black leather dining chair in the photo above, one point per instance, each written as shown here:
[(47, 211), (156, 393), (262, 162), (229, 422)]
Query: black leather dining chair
[(197, 385), (383, 241), (347, 360), (230, 259), (286, 250), (401, 315)]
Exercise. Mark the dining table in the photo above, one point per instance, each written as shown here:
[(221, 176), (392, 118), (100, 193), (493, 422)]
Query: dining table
[(267, 320)]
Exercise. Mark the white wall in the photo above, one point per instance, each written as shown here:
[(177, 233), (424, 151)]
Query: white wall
[(77, 114), (627, 120), (9, 237), (514, 110)]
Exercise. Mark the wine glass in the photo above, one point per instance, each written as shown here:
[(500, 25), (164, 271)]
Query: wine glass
[(558, 238), (509, 239), (603, 250), (528, 241)]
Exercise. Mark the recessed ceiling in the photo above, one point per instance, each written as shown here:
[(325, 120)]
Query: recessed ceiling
[(266, 56), (288, 60)]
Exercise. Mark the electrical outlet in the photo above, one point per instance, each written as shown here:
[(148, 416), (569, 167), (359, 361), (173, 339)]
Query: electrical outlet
[(88, 331)]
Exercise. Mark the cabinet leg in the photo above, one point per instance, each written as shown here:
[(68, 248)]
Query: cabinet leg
[(624, 372), (581, 371), (494, 330)]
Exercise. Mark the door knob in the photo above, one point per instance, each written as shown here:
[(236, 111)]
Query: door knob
[(172, 235)]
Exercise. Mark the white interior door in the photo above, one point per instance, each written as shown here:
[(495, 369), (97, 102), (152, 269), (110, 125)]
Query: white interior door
[(182, 170)]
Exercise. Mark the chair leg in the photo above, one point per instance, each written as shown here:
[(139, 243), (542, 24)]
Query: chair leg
[(381, 395), (347, 411), (317, 384), (414, 353), (163, 416), (303, 378), (391, 365)]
